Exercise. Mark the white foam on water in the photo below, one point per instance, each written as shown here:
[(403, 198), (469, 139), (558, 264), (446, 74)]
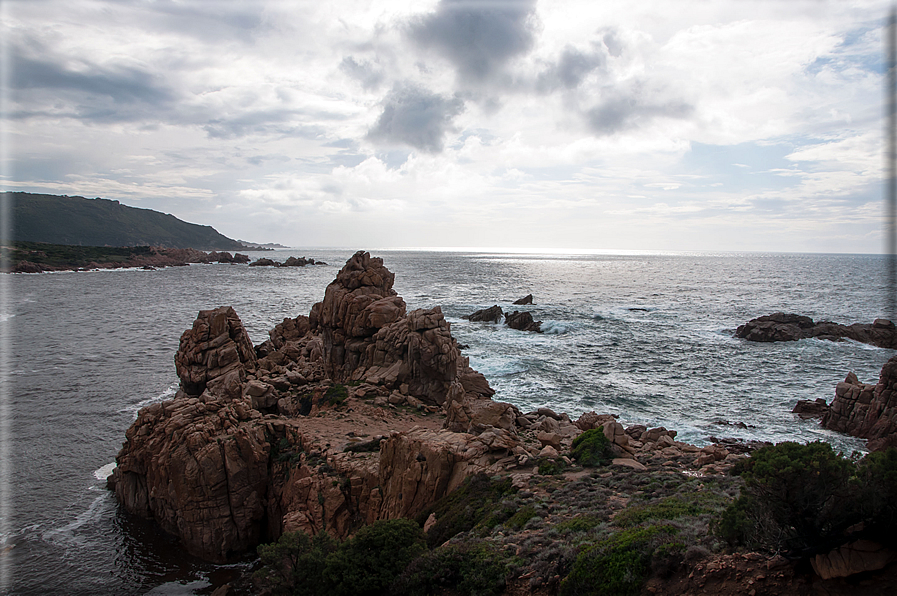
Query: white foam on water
[(67, 532), (5, 317), (169, 392), (104, 472), (554, 327)]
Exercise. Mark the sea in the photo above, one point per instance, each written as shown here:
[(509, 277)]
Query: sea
[(647, 336)]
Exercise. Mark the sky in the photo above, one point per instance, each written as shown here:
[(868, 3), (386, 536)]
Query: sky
[(693, 125)]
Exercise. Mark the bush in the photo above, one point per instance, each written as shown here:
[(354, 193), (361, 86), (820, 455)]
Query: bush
[(592, 448), (617, 566), (294, 565), (876, 494), (669, 508), (469, 568), (369, 562), (479, 500), (796, 498)]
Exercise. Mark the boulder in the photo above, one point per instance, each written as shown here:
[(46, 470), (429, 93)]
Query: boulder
[(865, 410), (523, 321), (493, 314), (856, 557), (214, 351), (811, 409), (528, 299), (791, 327)]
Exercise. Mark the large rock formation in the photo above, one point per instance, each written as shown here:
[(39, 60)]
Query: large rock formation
[(865, 410), (246, 449), (356, 413), (791, 327)]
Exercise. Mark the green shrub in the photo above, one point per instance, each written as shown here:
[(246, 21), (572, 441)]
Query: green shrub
[(796, 498), (592, 448), (367, 563), (580, 523), (617, 566), (294, 565), (480, 500), (336, 395), (876, 494), (551, 467), (519, 519), (669, 508), (468, 568)]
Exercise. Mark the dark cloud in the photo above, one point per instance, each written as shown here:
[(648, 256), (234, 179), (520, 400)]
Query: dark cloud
[(369, 75), (122, 84), (626, 111), (478, 37), (416, 117), (572, 67)]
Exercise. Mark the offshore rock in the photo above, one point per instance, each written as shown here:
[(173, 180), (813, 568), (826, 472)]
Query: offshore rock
[(528, 299), (493, 314), (523, 321), (865, 410), (791, 327)]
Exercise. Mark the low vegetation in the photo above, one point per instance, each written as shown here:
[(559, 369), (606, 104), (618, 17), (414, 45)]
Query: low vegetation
[(604, 533)]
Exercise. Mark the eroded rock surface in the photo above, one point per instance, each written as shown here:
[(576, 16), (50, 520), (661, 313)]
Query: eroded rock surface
[(791, 327), (866, 410)]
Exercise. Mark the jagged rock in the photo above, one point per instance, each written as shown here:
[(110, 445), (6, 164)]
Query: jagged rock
[(865, 410), (493, 314), (528, 299), (850, 559), (215, 352), (200, 471), (367, 336), (791, 327), (811, 409), (523, 321)]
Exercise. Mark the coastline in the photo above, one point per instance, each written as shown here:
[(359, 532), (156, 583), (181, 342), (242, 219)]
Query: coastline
[(471, 435)]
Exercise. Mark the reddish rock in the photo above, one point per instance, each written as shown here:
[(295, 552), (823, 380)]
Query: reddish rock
[(523, 321), (865, 410)]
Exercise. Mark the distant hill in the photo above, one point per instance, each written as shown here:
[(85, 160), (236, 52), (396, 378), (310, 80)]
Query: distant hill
[(101, 222)]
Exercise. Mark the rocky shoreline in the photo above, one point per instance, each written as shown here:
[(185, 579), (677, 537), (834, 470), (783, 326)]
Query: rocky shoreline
[(361, 412)]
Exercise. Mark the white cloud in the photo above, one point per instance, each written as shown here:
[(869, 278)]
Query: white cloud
[(573, 125)]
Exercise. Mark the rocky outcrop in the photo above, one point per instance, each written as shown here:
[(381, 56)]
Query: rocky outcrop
[(356, 413), (865, 410), (523, 321), (792, 327), (493, 314), (290, 262), (852, 558), (528, 299)]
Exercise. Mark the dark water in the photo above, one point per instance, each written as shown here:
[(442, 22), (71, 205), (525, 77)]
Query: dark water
[(648, 337)]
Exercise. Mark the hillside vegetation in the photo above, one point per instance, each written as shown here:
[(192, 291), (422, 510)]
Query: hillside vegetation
[(101, 222)]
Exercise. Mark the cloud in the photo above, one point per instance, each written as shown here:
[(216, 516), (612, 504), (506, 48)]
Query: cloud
[(478, 38), (570, 70), (416, 117), (92, 91), (369, 75), (623, 110)]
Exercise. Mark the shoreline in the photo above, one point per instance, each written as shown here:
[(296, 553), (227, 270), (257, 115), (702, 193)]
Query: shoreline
[(331, 425)]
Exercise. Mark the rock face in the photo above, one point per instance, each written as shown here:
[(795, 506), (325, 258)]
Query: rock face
[(523, 321), (236, 457), (792, 327), (493, 314), (865, 410)]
